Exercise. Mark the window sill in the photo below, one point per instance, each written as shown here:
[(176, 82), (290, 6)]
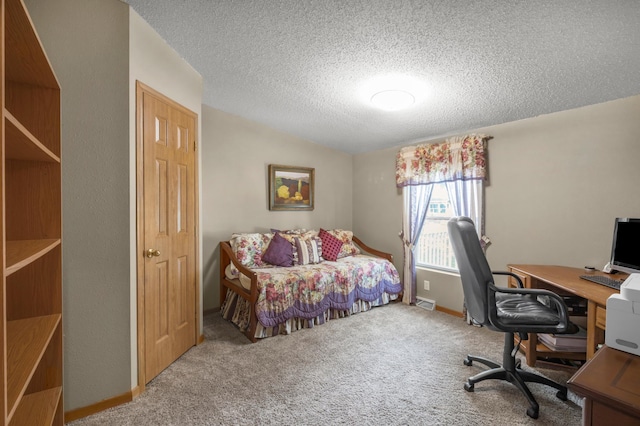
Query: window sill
[(438, 271)]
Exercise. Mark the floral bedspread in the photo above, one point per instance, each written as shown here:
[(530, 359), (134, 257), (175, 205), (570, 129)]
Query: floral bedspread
[(307, 291)]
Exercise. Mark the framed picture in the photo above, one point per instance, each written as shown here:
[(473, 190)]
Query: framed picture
[(290, 188)]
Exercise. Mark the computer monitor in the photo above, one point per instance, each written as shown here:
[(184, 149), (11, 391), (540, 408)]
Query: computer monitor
[(625, 251)]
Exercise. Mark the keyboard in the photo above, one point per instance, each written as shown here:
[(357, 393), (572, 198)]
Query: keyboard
[(606, 281)]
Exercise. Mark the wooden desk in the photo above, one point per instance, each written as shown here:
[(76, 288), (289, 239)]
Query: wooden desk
[(564, 281), (610, 384)]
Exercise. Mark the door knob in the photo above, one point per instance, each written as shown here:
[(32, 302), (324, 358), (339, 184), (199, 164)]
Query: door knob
[(153, 253)]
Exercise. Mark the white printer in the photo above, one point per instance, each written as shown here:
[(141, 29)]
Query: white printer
[(623, 317)]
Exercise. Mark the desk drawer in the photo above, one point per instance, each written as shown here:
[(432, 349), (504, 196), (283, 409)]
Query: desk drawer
[(601, 317)]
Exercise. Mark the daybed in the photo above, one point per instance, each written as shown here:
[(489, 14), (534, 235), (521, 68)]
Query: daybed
[(264, 299)]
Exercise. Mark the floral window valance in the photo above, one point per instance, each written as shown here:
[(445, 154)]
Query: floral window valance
[(458, 158)]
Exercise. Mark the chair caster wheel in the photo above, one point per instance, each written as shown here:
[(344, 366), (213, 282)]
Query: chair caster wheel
[(562, 395), (532, 412), (467, 362), (518, 364), (468, 387)]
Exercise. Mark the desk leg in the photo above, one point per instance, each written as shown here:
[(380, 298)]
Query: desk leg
[(531, 353), (591, 329)]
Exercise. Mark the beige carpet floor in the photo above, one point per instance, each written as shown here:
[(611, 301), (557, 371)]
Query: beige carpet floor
[(394, 365)]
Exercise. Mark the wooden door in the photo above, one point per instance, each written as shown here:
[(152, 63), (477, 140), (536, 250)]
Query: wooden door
[(168, 246)]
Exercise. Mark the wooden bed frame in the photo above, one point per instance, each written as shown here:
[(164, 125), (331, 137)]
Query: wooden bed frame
[(227, 257)]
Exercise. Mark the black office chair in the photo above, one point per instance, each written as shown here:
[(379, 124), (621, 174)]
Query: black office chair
[(510, 310)]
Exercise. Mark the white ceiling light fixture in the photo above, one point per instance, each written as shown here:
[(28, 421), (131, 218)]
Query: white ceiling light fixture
[(393, 92), (393, 100)]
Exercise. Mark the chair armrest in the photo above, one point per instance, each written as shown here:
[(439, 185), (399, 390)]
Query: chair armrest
[(511, 274), (558, 306)]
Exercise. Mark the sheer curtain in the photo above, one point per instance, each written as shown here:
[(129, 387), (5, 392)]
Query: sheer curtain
[(466, 198), (460, 162), (416, 200)]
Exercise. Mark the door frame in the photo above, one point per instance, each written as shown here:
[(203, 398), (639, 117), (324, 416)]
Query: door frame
[(142, 88)]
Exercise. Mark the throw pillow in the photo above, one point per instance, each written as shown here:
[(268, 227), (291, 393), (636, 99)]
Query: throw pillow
[(308, 251), (290, 235), (248, 248), (279, 252), (348, 246), (331, 246)]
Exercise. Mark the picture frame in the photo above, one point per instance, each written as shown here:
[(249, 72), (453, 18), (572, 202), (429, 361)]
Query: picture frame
[(291, 188)]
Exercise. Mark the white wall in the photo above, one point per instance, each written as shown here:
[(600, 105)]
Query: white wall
[(87, 42), (153, 62), (236, 154), (556, 183)]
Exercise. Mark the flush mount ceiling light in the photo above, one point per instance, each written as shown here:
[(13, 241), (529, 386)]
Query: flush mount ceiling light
[(393, 100), (393, 92)]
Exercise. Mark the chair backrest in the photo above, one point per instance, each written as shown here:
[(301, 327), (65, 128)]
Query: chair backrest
[(475, 272)]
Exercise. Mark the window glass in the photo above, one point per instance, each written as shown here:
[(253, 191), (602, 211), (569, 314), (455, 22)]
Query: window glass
[(434, 248)]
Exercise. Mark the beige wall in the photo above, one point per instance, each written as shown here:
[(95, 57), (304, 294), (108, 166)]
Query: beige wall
[(153, 62), (556, 183), (236, 154), (87, 42), (377, 203)]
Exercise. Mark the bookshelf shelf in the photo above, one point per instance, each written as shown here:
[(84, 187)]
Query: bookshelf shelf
[(23, 252), (38, 408), (22, 145), (28, 339), (544, 351)]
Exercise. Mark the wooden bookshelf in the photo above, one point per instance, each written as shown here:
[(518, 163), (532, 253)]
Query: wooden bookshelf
[(31, 306)]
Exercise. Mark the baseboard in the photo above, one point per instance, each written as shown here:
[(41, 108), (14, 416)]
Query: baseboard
[(449, 311), (105, 404), (135, 392)]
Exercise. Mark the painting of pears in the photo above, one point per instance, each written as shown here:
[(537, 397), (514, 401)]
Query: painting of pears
[(292, 188)]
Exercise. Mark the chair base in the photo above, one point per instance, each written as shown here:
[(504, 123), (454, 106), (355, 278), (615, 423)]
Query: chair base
[(510, 371)]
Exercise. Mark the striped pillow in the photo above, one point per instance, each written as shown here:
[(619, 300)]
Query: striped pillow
[(307, 251)]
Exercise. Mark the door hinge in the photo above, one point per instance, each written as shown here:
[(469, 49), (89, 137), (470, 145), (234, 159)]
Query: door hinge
[(195, 145)]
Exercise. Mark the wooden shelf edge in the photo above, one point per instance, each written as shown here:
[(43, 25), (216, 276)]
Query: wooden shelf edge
[(27, 340), (31, 149), (38, 408), (20, 253)]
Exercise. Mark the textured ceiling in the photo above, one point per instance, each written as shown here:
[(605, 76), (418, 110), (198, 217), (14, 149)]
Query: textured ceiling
[(305, 67)]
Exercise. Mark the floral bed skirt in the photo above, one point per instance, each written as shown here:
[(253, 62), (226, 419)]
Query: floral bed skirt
[(237, 310)]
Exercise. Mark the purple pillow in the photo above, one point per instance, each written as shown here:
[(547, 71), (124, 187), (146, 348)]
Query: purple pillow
[(279, 252)]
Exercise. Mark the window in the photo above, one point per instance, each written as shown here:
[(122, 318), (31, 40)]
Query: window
[(434, 249)]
